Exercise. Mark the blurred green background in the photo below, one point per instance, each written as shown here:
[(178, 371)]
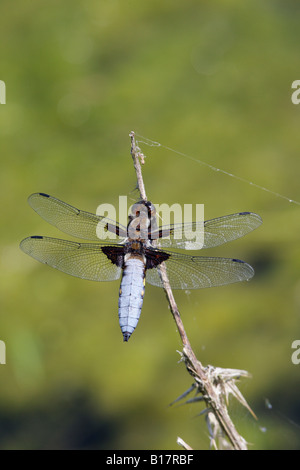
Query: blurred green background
[(210, 79)]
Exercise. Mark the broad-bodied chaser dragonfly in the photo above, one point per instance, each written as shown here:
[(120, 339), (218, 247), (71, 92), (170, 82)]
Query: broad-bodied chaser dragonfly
[(134, 253)]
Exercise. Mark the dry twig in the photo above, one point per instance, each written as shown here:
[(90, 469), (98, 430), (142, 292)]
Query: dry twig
[(214, 384)]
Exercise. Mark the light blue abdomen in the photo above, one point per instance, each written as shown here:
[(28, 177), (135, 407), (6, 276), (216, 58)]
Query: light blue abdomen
[(131, 296)]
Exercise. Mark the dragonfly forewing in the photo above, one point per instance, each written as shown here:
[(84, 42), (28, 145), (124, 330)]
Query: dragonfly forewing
[(215, 231), (75, 222)]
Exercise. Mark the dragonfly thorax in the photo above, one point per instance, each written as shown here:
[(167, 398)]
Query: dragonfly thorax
[(142, 221)]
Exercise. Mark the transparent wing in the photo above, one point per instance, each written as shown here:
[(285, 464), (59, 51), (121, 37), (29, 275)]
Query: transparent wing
[(84, 260), (196, 272), (211, 233), (75, 222)]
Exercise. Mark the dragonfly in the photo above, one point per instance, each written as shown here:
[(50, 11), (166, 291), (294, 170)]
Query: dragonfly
[(137, 252)]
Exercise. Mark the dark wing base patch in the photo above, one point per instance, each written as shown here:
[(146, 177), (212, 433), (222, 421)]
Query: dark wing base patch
[(155, 258), (115, 254)]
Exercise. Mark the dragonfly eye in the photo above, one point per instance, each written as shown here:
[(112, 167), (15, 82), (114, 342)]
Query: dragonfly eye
[(151, 209)]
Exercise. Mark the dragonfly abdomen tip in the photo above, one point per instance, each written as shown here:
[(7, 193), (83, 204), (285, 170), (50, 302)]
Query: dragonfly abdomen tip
[(126, 336)]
